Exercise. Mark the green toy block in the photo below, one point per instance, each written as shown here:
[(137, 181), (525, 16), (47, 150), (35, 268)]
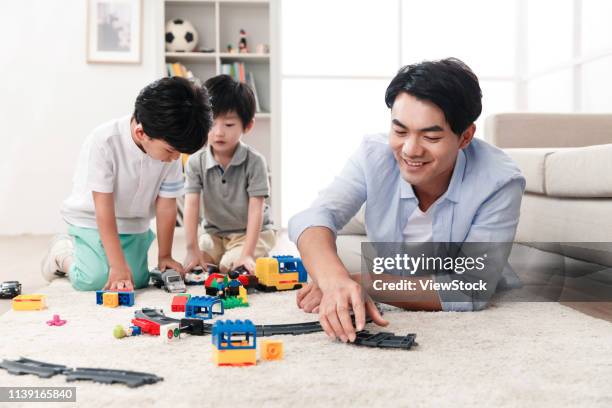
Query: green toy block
[(233, 302)]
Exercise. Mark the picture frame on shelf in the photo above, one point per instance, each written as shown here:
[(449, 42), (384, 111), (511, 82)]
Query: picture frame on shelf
[(114, 31)]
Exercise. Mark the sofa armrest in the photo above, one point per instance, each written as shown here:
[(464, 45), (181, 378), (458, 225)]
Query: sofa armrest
[(506, 130)]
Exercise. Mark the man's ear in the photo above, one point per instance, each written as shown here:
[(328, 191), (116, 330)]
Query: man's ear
[(467, 136), (139, 132), (249, 126)]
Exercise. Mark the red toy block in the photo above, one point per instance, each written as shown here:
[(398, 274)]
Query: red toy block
[(147, 326), (178, 303)]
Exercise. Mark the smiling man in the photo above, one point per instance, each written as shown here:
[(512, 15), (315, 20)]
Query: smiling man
[(428, 180)]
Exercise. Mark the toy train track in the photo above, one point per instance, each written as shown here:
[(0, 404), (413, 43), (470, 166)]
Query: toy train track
[(193, 326), (105, 376), (27, 366), (385, 340), (199, 328), (157, 316), (101, 375), (293, 329)]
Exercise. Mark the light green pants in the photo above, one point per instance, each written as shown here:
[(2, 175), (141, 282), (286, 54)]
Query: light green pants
[(89, 269)]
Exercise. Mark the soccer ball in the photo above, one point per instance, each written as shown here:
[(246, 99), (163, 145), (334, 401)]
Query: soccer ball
[(180, 36)]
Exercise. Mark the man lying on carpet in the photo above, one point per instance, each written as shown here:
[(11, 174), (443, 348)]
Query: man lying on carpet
[(427, 180), (127, 173)]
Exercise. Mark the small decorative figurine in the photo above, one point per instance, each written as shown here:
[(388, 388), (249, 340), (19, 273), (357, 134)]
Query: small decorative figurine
[(242, 44)]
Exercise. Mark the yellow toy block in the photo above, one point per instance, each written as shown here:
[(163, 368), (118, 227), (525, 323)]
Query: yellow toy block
[(242, 294), (236, 357), (29, 302), (271, 350), (110, 299)]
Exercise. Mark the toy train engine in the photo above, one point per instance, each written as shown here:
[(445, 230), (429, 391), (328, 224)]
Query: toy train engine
[(280, 273)]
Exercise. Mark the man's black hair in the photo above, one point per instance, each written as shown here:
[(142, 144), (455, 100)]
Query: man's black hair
[(449, 84), (176, 111), (228, 95)]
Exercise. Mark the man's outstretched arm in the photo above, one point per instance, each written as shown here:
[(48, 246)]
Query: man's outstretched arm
[(340, 293)]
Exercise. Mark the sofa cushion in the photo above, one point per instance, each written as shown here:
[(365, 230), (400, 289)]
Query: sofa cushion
[(580, 172), (532, 163)]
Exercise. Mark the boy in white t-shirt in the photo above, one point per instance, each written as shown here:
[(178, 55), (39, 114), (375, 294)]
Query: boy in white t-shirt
[(127, 173)]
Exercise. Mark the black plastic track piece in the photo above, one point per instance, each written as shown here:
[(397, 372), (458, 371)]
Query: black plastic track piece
[(195, 327), (101, 375), (155, 315), (27, 366), (294, 329), (385, 340)]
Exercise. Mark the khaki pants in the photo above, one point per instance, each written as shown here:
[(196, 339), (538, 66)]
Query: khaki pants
[(225, 251)]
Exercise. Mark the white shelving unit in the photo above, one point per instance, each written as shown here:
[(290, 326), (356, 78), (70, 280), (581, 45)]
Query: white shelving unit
[(218, 23)]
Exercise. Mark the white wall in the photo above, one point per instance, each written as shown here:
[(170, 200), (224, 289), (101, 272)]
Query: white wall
[(569, 62), (335, 76), (50, 99)]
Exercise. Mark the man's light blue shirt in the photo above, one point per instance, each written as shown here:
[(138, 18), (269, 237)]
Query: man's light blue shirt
[(482, 202)]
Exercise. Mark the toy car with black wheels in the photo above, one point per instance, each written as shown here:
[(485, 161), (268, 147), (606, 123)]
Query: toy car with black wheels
[(170, 280), (10, 289)]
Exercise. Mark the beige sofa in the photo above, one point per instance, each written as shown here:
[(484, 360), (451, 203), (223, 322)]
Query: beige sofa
[(567, 161)]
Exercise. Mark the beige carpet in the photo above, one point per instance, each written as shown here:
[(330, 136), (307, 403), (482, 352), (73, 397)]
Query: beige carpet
[(538, 354)]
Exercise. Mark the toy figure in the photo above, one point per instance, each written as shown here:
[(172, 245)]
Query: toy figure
[(230, 48), (242, 44), (233, 286)]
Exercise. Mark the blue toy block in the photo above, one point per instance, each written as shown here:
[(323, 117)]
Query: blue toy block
[(203, 307), (223, 331), (125, 298)]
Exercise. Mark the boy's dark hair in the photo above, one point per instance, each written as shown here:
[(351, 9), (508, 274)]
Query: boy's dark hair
[(449, 84), (176, 111), (228, 95)]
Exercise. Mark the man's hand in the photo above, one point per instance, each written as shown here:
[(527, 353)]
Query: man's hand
[(196, 258), (309, 297), (247, 261), (166, 262), (120, 279), (339, 297)]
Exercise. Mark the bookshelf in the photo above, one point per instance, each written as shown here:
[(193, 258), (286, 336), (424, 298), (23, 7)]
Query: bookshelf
[(218, 23)]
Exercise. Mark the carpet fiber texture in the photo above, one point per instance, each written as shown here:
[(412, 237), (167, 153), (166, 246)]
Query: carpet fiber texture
[(511, 355)]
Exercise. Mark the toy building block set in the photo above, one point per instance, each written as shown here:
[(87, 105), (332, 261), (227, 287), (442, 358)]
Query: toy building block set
[(234, 342)]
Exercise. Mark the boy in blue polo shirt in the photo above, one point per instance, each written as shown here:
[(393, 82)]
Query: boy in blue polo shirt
[(127, 173)]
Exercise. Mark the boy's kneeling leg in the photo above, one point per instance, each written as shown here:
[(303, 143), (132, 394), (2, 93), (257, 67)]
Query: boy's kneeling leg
[(89, 269), (135, 249), (229, 258), (265, 243), (213, 246)]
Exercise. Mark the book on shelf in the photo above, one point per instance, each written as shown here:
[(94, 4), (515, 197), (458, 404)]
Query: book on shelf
[(177, 69), (238, 71)]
